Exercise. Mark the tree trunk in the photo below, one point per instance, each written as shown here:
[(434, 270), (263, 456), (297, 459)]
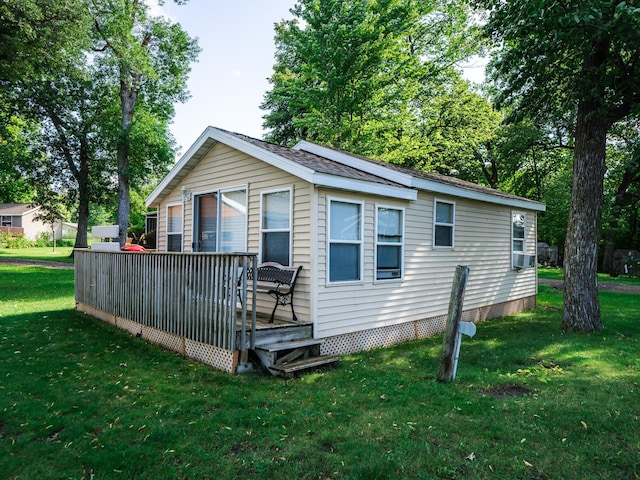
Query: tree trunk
[(581, 305), (83, 204), (128, 97)]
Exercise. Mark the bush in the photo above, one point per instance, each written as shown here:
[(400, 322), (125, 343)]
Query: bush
[(9, 240), (43, 240)]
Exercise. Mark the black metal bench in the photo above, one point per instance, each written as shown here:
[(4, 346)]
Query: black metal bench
[(278, 281)]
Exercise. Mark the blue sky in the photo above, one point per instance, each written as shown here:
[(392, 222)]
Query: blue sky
[(228, 82)]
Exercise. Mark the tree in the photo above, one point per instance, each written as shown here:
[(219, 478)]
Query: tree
[(36, 34), (83, 99), (623, 184), (362, 76), (149, 60), (582, 56)]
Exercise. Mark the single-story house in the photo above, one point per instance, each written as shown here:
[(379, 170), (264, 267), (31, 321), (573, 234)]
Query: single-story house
[(378, 244), (22, 218)]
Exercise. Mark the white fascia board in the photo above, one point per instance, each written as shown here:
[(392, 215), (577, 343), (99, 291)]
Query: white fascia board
[(212, 133), (334, 181), (460, 192), (266, 156), (354, 162), (178, 167)]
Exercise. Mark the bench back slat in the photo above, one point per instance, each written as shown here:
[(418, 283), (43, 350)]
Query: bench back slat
[(275, 273)]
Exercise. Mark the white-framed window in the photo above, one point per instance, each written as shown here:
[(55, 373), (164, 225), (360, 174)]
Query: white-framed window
[(275, 226), (518, 239), (444, 222), (389, 242), (345, 240), (221, 220), (174, 228), (6, 220)]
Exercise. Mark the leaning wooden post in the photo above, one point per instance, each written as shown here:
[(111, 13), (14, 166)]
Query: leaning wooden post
[(447, 363)]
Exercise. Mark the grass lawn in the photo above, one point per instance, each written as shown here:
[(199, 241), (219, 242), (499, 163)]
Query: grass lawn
[(39, 253), (80, 399)]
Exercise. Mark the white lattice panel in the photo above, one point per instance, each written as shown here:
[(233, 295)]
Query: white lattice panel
[(167, 340), (218, 358), (387, 336), (429, 327), (134, 328)]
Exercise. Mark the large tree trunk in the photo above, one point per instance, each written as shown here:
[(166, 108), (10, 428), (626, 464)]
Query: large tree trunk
[(128, 97), (581, 306)]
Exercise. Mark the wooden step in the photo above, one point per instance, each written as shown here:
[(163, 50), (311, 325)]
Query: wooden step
[(292, 367), (291, 345)]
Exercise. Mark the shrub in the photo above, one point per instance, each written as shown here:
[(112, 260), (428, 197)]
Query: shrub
[(16, 241), (43, 240)]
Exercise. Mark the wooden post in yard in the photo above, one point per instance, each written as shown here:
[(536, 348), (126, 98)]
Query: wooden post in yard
[(446, 367)]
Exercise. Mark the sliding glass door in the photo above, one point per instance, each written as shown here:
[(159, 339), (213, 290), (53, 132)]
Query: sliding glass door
[(221, 221)]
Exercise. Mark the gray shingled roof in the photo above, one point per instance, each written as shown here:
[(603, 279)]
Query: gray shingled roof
[(15, 208), (325, 165), (314, 162)]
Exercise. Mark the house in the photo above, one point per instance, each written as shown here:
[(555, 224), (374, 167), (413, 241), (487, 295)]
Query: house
[(22, 218), (378, 244)]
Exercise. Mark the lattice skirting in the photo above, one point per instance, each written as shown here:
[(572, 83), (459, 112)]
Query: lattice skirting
[(218, 358), (403, 332)]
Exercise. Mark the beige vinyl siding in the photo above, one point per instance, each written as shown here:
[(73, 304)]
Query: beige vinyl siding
[(224, 167), (482, 242)]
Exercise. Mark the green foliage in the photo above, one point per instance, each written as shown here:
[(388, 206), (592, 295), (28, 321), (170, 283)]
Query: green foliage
[(87, 399), (42, 240), (540, 67), (37, 35), (14, 241), (377, 78), (65, 112)]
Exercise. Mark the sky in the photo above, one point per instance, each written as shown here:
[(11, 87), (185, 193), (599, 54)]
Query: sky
[(228, 82)]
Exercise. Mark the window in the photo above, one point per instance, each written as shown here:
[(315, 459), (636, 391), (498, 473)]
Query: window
[(389, 243), (174, 228), (517, 232), (221, 221), (443, 225), (345, 241), (6, 221), (276, 227)]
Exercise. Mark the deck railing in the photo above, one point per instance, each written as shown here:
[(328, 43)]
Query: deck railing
[(192, 295)]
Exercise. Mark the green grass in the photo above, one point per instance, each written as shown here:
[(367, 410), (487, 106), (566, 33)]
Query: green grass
[(557, 274), (80, 399), (39, 253)]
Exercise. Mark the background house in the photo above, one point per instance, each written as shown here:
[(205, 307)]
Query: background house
[(21, 218), (378, 243)]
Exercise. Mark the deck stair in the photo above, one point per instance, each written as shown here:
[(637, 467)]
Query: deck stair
[(291, 357)]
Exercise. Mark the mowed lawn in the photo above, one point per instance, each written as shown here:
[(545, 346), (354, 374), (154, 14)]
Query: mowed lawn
[(82, 400)]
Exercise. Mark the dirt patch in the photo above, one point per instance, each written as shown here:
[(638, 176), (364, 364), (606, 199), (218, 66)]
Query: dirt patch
[(503, 391)]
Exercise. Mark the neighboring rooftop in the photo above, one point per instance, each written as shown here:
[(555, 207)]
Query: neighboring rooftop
[(15, 208)]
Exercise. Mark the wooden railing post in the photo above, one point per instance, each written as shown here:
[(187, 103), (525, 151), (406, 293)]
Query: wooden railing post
[(446, 369)]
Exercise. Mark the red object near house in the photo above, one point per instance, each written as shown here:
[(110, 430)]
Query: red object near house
[(133, 248)]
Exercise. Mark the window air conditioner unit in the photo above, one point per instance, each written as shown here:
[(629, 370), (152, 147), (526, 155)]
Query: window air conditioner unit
[(522, 260), (388, 273)]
